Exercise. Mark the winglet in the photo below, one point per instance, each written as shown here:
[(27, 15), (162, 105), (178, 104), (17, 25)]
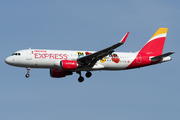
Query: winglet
[(124, 38)]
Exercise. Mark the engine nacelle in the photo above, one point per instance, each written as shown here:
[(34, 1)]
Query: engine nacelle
[(68, 65), (57, 73)]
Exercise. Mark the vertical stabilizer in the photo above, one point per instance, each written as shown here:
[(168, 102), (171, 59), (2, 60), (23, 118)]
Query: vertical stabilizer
[(156, 43)]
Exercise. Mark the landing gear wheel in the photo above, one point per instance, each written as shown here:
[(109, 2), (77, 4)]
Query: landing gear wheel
[(80, 79), (88, 74), (27, 75)]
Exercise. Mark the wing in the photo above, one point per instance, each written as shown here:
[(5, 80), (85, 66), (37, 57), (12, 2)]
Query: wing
[(91, 59)]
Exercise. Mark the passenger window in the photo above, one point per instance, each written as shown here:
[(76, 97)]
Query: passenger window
[(19, 54)]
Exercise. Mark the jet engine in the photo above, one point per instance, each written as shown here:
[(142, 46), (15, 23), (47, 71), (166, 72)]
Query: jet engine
[(57, 73), (68, 65)]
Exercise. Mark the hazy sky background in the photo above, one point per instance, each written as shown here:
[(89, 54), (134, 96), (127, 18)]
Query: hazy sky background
[(149, 93)]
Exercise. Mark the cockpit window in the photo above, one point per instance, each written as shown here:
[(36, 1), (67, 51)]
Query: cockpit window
[(16, 54)]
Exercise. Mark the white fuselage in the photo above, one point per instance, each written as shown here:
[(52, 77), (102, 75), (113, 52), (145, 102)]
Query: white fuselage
[(35, 58)]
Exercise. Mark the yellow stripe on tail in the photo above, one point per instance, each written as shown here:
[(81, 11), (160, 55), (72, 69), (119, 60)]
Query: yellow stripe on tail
[(160, 31)]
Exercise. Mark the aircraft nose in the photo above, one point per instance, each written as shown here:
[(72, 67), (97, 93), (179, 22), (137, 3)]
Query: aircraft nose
[(8, 60)]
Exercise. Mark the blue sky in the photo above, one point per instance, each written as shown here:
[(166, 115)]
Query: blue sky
[(147, 93)]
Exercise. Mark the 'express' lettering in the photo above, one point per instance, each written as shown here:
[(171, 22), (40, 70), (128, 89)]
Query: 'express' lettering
[(50, 56)]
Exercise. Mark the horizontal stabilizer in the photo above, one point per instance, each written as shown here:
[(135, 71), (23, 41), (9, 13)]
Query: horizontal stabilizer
[(161, 56)]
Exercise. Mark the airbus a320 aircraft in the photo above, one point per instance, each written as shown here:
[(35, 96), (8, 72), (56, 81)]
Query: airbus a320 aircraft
[(62, 62)]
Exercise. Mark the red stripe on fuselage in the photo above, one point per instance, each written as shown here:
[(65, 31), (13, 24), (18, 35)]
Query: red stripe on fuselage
[(142, 60)]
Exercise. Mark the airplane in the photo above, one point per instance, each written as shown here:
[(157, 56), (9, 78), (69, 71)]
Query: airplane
[(64, 62)]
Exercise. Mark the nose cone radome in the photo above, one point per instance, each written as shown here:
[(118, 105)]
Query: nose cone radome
[(8, 60)]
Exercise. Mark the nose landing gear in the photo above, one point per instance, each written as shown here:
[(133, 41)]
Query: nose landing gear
[(27, 75)]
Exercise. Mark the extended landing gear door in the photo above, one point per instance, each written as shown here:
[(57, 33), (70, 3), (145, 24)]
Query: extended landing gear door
[(29, 54)]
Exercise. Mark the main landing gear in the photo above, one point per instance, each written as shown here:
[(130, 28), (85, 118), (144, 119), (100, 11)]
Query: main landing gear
[(27, 75), (81, 79)]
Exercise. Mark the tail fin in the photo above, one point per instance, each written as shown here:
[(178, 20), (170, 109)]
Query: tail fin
[(156, 43)]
